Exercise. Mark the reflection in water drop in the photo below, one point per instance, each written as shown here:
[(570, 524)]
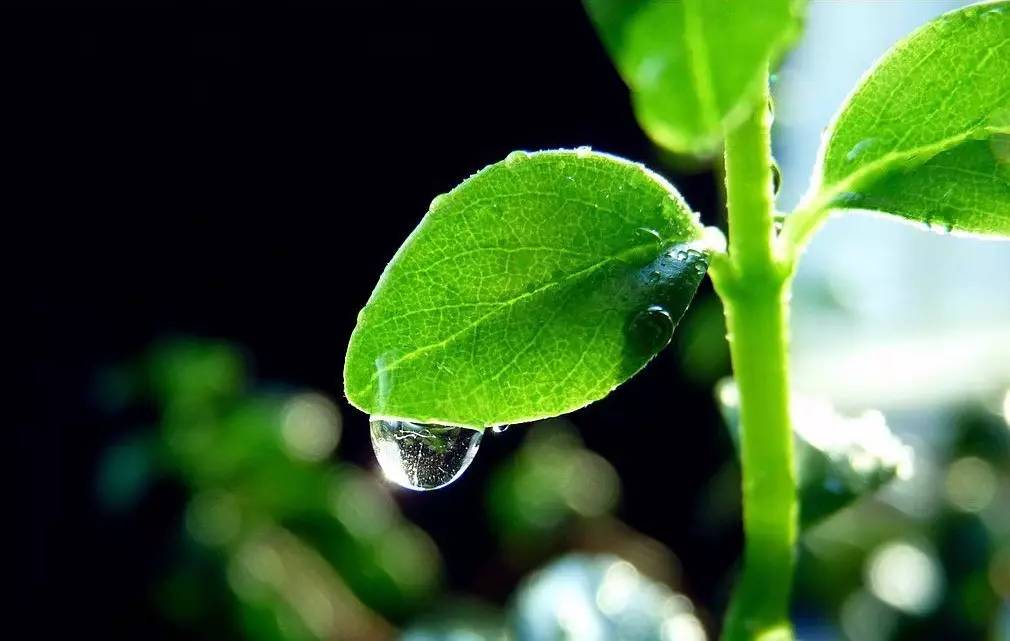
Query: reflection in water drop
[(422, 457), (499, 429)]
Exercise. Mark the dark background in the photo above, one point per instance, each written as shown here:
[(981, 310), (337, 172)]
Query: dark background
[(246, 176)]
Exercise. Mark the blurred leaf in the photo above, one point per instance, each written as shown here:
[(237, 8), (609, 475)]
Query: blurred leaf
[(535, 287), (839, 459), (926, 136), (190, 371), (459, 621), (125, 471), (552, 479), (694, 67)]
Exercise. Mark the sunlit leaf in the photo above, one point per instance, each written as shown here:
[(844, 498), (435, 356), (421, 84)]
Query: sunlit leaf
[(535, 287), (694, 67), (839, 458), (926, 135)]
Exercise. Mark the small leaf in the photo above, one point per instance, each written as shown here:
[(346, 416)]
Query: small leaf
[(926, 135), (535, 287), (694, 67), (838, 458)]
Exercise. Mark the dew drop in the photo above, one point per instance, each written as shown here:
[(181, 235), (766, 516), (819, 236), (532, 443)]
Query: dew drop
[(499, 429), (648, 234), (859, 148), (436, 202), (422, 457), (776, 178), (652, 329), (583, 151), (516, 156)]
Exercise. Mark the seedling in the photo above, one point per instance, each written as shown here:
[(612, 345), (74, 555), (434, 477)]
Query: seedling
[(544, 281)]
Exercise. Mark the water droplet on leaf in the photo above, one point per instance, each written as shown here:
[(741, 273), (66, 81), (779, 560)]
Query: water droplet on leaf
[(652, 329), (499, 429), (776, 177), (859, 148), (583, 151), (516, 156), (423, 457), (436, 202)]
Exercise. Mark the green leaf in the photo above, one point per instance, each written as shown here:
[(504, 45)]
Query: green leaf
[(533, 288), (926, 135), (694, 67), (838, 458)]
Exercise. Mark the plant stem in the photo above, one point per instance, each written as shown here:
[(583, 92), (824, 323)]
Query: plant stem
[(753, 284)]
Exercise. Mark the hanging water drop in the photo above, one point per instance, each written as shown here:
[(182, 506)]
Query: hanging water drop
[(423, 457), (499, 429)]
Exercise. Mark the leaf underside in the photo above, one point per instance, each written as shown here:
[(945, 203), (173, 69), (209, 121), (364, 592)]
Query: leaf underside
[(525, 292), (694, 67), (926, 135)]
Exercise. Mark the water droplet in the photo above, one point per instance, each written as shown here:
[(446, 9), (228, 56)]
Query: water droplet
[(423, 457), (680, 254), (436, 202), (859, 148), (499, 429), (516, 156), (648, 240), (649, 234), (652, 329), (583, 151), (776, 177)]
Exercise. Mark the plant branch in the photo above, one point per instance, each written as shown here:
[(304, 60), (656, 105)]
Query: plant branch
[(753, 286)]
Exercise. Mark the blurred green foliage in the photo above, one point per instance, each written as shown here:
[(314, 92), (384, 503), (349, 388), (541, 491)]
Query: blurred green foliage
[(287, 542)]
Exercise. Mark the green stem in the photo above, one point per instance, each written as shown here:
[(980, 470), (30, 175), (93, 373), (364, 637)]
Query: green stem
[(753, 283)]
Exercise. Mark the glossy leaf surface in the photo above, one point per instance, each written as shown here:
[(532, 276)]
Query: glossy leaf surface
[(926, 135), (535, 287), (694, 67)]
